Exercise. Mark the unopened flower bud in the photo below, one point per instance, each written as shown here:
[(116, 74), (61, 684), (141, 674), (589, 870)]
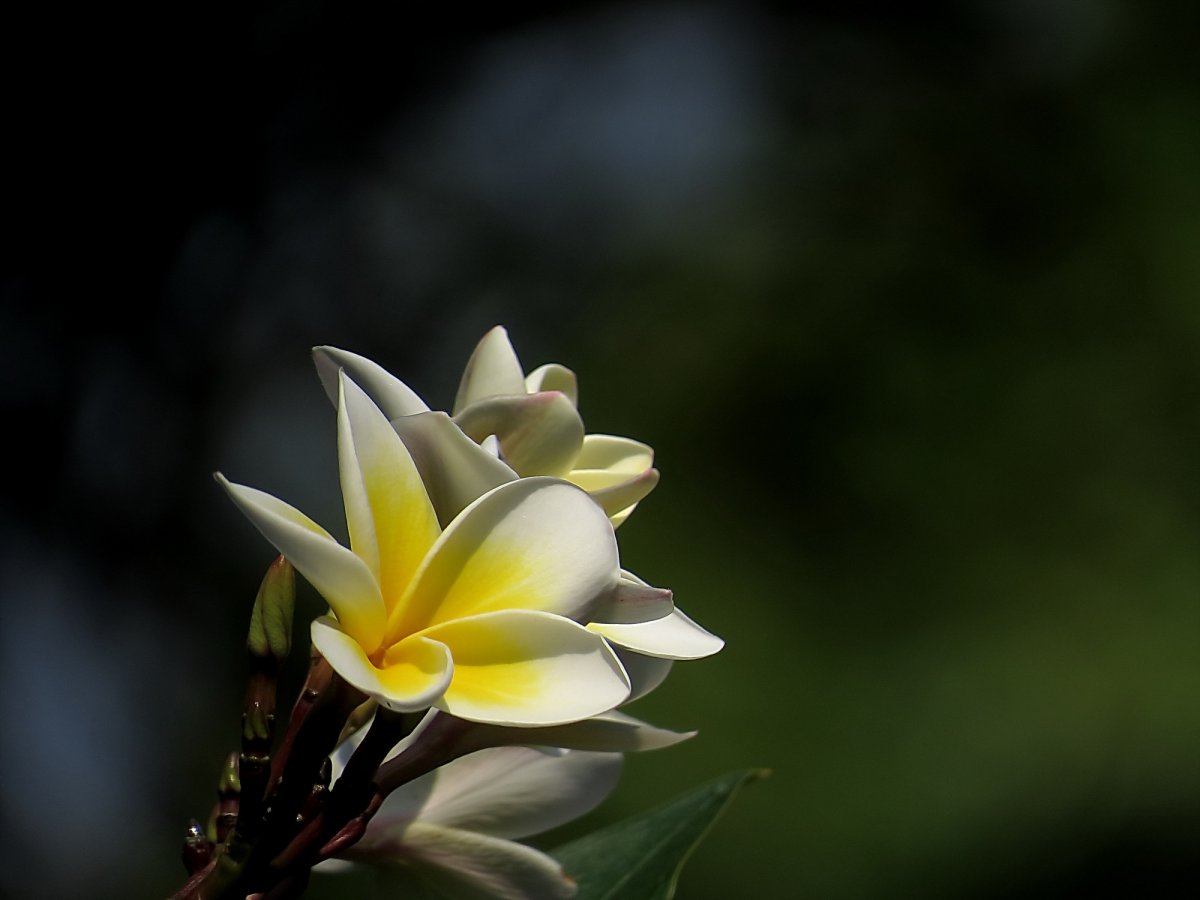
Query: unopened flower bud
[(270, 634)]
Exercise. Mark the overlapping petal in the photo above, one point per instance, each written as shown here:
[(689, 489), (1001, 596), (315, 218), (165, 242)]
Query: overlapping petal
[(645, 672), (613, 732), (342, 578), (514, 792), (633, 601), (524, 668), (414, 673), (493, 370), (618, 472), (642, 625), (611, 453), (672, 637), (454, 826), (536, 543), (456, 470), (539, 434), (465, 865), (391, 521), (553, 377), (617, 494), (394, 397)]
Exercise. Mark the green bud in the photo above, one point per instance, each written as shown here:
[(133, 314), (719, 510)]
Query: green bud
[(257, 724), (271, 622)]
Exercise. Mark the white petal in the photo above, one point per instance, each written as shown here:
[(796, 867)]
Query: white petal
[(633, 601), (616, 492), (612, 732), (645, 672), (456, 470), (342, 752), (413, 682), (394, 397), (392, 522), (343, 579), (671, 637), (618, 518), (515, 792), (360, 523), (335, 867), (539, 434), (615, 454), (553, 377), (527, 668), (464, 865), (536, 543), (492, 369), (616, 471)]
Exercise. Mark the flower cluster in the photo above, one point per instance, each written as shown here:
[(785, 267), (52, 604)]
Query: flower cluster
[(482, 594), (482, 576)]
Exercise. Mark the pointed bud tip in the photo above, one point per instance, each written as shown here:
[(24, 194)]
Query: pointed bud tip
[(270, 634)]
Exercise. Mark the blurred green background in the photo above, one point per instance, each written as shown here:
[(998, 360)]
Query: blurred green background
[(907, 300)]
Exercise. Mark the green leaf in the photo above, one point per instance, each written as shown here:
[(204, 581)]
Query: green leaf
[(641, 857)]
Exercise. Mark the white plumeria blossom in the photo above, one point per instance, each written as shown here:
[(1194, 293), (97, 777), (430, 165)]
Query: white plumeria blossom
[(456, 471), (480, 617), (456, 826), (531, 420)]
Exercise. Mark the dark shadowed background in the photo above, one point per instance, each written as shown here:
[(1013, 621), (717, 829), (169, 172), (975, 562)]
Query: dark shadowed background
[(908, 303)]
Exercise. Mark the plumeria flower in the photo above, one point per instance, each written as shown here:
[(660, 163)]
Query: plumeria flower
[(456, 471), (480, 617), (456, 826), (532, 420)]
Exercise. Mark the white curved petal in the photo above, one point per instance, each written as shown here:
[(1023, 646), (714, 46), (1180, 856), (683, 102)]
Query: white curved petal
[(456, 470), (492, 369), (343, 579), (523, 667), (535, 543), (360, 523), (342, 752), (619, 518), (616, 492), (463, 865), (633, 601), (539, 434), (392, 522), (645, 672), (394, 397), (335, 867), (406, 800), (671, 637), (414, 675), (514, 792), (615, 454), (553, 377), (612, 732)]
